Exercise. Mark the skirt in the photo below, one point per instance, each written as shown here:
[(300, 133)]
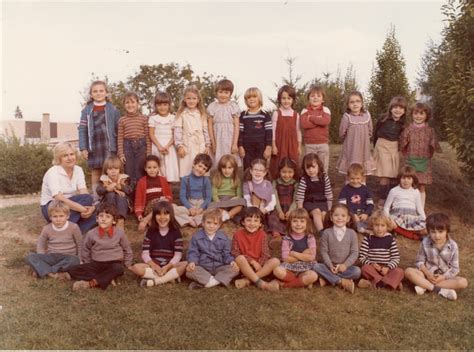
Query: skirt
[(310, 206), (408, 219), (226, 202), (298, 267), (387, 158)]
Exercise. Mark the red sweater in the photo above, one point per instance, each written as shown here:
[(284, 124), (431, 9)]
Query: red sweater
[(142, 190), (251, 245), (315, 124)]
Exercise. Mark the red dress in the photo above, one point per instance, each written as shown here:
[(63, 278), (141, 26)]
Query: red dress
[(286, 141)]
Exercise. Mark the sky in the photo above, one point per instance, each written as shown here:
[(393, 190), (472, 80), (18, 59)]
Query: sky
[(51, 49)]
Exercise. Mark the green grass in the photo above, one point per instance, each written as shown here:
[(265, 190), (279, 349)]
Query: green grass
[(46, 314)]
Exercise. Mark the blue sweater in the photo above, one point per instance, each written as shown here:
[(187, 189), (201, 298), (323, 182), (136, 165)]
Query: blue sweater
[(358, 199), (193, 187), (210, 254)]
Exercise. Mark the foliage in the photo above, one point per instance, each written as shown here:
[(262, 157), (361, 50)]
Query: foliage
[(447, 77), (388, 76), (22, 166)]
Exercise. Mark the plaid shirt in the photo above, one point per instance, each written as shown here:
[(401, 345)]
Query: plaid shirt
[(445, 259)]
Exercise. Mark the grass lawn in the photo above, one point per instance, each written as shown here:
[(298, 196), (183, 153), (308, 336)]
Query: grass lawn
[(46, 314)]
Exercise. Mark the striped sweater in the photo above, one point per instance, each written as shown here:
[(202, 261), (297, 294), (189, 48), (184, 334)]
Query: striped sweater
[(162, 249), (255, 127), (133, 127), (380, 250), (301, 195)]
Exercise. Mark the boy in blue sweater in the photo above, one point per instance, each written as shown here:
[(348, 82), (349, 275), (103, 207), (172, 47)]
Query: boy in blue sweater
[(195, 193), (210, 261)]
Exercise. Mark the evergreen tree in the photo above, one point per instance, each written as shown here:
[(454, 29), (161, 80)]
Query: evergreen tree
[(388, 76)]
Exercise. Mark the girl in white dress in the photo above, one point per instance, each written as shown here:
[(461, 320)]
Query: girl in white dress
[(161, 126)]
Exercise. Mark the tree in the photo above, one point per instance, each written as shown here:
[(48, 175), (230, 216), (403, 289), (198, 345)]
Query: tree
[(388, 76), (18, 113)]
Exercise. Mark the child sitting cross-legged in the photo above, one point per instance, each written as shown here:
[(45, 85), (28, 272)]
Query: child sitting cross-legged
[(251, 252), (59, 245), (105, 251), (210, 262)]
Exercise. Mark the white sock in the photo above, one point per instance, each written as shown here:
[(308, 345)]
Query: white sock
[(212, 282), (149, 274), (170, 275), (225, 216)]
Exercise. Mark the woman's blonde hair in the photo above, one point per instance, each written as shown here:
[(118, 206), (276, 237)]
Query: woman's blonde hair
[(60, 150), (253, 92), (200, 106)]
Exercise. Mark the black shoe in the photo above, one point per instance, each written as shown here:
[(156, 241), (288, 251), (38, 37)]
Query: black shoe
[(195, 286)]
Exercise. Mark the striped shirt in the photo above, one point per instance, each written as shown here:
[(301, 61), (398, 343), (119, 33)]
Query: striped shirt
[(133, 127), (162, 249), (445, 259), (254, 128), (301, 195), (380, 250)]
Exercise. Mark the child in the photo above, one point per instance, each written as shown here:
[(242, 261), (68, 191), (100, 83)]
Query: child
[(356, 130), (315, 120), (286, 130), (298, 252), (357, 196), (105, 251), (418, 143), (210, 262), (227, 188), (386, 152), (191, 135), (223, 121), (379, 255), (437, 261), (150, 189), (339, 251), (59, 245), (314, 190), (284, 188), (133, 138), (250, 250), (161, 126), (98, 130), (162, 249), (255, 136), (114, 188), (258, 191), (404, 207), (195, 193)]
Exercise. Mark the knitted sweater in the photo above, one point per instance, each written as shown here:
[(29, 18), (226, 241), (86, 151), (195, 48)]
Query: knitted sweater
[(67, 240), (333, 251), (315, 124), (103, 248)]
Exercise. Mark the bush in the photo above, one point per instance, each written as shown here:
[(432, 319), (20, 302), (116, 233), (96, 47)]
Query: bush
[(22, 166)]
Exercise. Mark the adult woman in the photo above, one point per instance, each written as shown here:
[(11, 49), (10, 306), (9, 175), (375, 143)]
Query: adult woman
[(65, 181)]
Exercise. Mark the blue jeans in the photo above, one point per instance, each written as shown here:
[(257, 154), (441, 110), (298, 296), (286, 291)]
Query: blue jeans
[(44, 264), (352, 273), (135, 154), (75, 217)]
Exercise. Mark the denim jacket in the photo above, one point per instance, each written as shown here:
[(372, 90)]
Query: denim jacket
[(210, 254), (86, 127)]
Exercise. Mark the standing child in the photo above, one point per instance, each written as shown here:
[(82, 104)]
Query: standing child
[(191, 134), (437, 261), (284, 188), (150, 189), (298, 252), (133, 138), (98, 130), (379, 255), (418, 143), (339, 251), (195, 192), (105, 251), (404, 207), (386, 152), (59, 245), (224, 121), (210, 262), (357, 196), (315, 120), (162, 249), (250, 250), (314, 190), (161, 126), (356, 130), (255, 136), (114, 188), (286, 130), (258, 190), (227, 188)]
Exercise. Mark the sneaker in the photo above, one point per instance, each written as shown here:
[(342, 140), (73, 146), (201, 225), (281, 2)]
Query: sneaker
[(146, 283), (364, 284), (241, 283), (81, 285), (195, 286), (63, 276), (225, 216), (448, 293), (322, 282), (420, 290), (348, 285), (53, 275)]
